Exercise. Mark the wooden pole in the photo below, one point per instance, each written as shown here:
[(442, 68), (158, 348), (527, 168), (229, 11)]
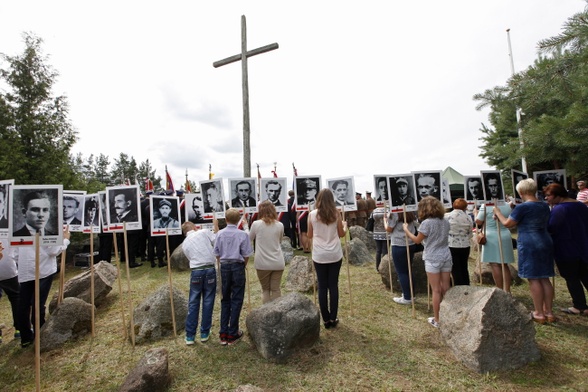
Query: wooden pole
[(120, 291), (37, 326), (348, 262), (61, 278), (500, 249), (171, 288), (409, 266), (388, 249), (129, 293), (92, 281), (248, 288)]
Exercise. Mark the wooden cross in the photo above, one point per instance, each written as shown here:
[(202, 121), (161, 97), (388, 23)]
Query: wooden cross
[(243, 57)]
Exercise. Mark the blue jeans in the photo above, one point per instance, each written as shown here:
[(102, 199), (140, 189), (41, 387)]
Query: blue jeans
[(401, 267), (202, 285), (233, 289), (327, 276)]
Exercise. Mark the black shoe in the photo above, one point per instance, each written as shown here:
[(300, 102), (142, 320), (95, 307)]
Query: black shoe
[(328, 324), (26, 343), (164, 264), (135, 265), (334, 323), (153, 264)]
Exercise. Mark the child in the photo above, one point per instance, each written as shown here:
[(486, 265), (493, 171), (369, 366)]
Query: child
[(198, 248), (434, 232), (232, 249)]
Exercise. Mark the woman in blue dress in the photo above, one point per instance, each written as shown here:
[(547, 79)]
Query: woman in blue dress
[(535, 248)]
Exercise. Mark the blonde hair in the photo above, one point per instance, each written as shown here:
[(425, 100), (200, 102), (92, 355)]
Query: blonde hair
[(187, 227), (325, 205), (266, 211), (430, 207), (232, 216), (526, 187)]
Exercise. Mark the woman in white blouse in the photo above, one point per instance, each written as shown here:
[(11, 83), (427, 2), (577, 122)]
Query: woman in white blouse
[(460, 233)]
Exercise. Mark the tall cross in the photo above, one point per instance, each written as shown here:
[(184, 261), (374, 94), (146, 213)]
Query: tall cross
[(243, 57)]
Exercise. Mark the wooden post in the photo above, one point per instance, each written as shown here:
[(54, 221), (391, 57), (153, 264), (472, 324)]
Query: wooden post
[(171, 288), (347, 257), (500, 250), (409, 265), (37, 326), (245, 86), (92, 281), (129, 293), (120, 291)]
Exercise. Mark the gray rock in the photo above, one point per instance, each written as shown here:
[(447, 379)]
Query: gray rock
[(358, 232), (487, 275), (301, 275), (79, 286), (487, 329), (287, 250), (358, 252), (151, 373), (71, 319), (419, 281), (281, 327), (153, 317), (178, 260)]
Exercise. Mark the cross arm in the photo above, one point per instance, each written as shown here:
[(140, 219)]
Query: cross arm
[(250, 53)]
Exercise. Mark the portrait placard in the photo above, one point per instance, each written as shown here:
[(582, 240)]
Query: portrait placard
[(274, 189), (445, 193), (165, 215), (428, 183), (122, 205), (547, 177), (381, 192), (493, 187), (91, 216), (73, 210), (517, 176), (343, 189), (473, 189), (403, 192), (306, 189), (36, 209), (103, 210), (213, 197), (242, 194), (194, 210), (4, 201)]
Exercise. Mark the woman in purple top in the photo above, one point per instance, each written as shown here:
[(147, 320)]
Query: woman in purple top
[(568, 226), (534, 248)]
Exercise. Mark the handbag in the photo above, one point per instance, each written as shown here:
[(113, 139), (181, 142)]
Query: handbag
[(418, 247), (481, 236), (370, 224)]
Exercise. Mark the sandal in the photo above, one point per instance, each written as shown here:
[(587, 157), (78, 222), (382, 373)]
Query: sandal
[(572, 311), (538, 320), (551, 318)]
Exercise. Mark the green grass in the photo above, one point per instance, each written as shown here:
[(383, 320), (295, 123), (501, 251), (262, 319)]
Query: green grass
[(380, 347)]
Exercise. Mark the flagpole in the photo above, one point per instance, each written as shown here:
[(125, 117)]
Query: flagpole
[(518, 110)]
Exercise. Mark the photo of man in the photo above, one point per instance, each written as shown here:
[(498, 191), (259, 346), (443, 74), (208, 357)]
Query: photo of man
[(91, 211), (403, 190), (428, 184), (123, 207), (194, 208), (342, 192), (381, 187), (473, 188), (243, 191), (272, 191), (165, 214), (517, 176), (36, 209), (71, 210), (214, 201), (548, 177), (4, 206), (306, 191), (493, 189)]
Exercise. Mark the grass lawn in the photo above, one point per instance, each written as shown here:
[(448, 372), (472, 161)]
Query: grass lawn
[(378, 345)]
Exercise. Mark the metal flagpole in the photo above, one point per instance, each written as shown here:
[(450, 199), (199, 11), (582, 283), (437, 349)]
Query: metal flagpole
[(518, 110)]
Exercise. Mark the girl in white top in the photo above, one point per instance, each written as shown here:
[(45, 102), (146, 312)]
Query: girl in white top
[(325, 227), (267, 232)]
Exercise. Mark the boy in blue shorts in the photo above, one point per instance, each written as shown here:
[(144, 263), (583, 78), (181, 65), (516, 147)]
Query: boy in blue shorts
[(232, 249)]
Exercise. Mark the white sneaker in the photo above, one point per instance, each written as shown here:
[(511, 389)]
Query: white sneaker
[(432, 321), (402, 301)]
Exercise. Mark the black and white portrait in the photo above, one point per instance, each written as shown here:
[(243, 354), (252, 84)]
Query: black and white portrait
[(548, 177), (473, 189), (343, 189), (91, 216), (4, 201), (194, 209), (122, 203), (243, 192), (36, 209), (428, 184), (306, 189), (165, 215), (445, 193), (213, 198), (402, 191), (517, 176), (275, 190), (73, 210), (492, 182), (381, 192), (103, 210)]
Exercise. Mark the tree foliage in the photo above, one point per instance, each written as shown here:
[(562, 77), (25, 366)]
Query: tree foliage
[(552, 97)]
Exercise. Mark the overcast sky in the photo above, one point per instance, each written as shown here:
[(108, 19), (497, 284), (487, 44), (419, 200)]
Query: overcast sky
[(355, 88)]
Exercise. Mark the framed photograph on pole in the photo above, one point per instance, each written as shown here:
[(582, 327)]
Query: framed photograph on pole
[(493, 187), (165, 215), (306, 189), (381, 193), (343, 189), (4, 211), (242, 194), (547, 177), (274, 189), (403, 192), (428, 183), (213, 198), (122, 205), (517, 176), (73, 210), (91, 216), (473, 189)]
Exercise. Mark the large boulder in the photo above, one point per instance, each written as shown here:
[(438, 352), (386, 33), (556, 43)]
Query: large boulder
[(280, 327), (178, 260), (419, 276), (153, 317), (71, 319), (287, 250), (79, 286), (301, 276), (487, 277), (151, 373), (358, 232), (487, 329), (358, 252)]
